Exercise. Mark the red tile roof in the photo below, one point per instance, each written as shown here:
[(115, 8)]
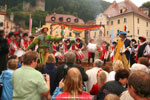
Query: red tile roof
[(114, 9), (65, 18)]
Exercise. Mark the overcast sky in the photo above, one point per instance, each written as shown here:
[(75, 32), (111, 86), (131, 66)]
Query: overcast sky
[(137, 2)]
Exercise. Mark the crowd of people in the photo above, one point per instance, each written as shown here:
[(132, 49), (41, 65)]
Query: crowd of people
[(29, 72)]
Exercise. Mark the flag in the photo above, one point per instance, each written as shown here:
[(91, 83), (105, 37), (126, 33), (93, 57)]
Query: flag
[(30, 26)]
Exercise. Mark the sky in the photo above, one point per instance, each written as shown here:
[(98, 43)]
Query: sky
[(137, 2)]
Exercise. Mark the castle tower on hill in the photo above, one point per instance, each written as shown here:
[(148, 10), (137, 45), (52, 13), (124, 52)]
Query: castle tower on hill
[(39, 5)]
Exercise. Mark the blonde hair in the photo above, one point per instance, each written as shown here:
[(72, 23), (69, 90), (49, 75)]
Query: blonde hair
[(12, 64), (73, 82), (117, 65), (112, 97), (51, 59), (101, 78)]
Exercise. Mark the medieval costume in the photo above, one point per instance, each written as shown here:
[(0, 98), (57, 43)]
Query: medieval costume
[(78, 50), (122, 50), (25, 42), (44, 42)]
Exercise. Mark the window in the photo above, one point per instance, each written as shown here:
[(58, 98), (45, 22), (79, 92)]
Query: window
[(138, 31), (1, 24), (125, 20), (107, 33), (107, 22), (70, 34), (147, 24), (112, 23), (138, 20), (121, 11), (118, 21), (147, 33), (100, 23)]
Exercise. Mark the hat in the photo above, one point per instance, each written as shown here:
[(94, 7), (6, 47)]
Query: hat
[(16, 33), (31, 36), (122, 32), (11, 34), (78, 39), (25, 34), (44, 26), (142, 38)]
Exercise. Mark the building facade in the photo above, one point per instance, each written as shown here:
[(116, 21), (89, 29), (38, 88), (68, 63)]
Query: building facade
[(124, 16)]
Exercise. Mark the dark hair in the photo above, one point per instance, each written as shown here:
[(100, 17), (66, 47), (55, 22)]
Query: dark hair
[(11, 34), (29, 57), (121, 74), (140, 81), (1, 33), (12, 57)]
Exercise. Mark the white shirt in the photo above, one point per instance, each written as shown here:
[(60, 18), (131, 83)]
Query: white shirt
[(111, 76), (92, 77)]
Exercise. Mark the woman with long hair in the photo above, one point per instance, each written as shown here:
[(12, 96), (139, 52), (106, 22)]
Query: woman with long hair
[(73, 87)]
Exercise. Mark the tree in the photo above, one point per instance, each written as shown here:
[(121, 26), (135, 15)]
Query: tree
[(146, 5)]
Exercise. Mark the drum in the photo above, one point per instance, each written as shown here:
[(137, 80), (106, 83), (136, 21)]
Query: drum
[(19, 53)]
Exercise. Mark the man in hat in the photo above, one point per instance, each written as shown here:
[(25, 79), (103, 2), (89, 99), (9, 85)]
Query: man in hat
[(44, 42), (18, 39), (67, 45), (143, 48), (122, 50), (25, 41)]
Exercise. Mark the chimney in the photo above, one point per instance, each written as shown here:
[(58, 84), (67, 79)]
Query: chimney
[(114, 3)]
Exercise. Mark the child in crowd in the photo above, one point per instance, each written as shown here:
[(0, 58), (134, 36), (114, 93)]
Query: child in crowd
[(101, 79), (6, 79)]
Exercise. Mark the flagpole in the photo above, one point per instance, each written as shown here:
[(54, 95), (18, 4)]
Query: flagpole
[(30, 25)]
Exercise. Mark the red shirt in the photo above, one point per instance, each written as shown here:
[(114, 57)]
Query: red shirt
[(65, 96), (95, 89)]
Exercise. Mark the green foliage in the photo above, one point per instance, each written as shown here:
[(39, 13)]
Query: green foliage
[(146, 5)]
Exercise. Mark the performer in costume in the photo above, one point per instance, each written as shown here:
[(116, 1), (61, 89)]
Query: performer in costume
[(44, 43), (12, 44), (67, 45), (91, 50), (102, 50), (143, 48), (78, 52), (123, 49), (18, 39), (25, 42)]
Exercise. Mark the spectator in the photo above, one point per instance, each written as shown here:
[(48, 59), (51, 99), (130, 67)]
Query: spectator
[(4, 50), (92, 78), (6, 80), (144, 61), (139, 85), (69, 63), (50, 69), (116, 66), (101, 80), (28, 83), (112, 97), (73, 86), (116, 87)]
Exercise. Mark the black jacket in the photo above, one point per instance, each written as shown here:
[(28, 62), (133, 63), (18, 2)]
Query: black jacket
[(113, 87), (62, 71), (4, 49)]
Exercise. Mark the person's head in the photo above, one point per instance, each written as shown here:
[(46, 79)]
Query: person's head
[(112, 97), (12, 64), (30, 58), (107, 67), (142, 39), (44, 29), (51, 59), (117, 65), (133, 41), (122, 34), (25, 35), (17, 35), (98, 63), (101, 78), (139, 85), (114, 43), (1, 33), (122, 76), (91, 41), (144, 61), (73, 82), (141, 67), (12, 57), (78, 40), (70, 57), (11, 36)]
